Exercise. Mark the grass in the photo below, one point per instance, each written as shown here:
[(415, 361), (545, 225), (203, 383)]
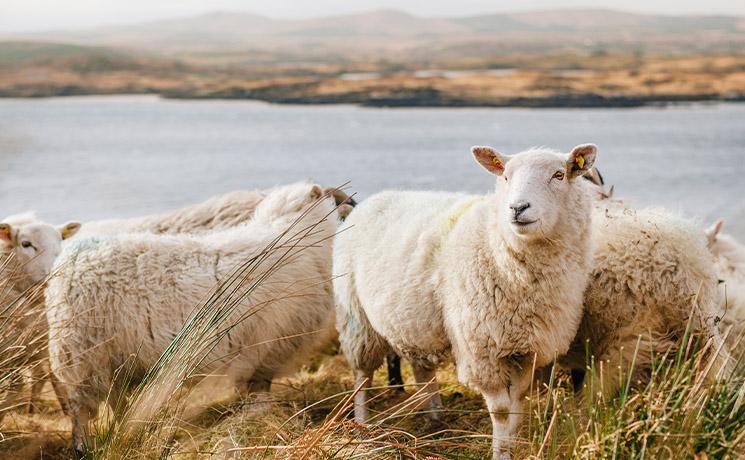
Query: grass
[(22, 341), (678, 413)]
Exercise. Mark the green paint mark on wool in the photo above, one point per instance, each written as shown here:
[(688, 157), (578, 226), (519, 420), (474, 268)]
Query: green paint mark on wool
[(455, 216)]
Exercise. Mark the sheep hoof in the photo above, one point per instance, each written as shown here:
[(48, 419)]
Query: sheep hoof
[(260, 401), (436, 425)]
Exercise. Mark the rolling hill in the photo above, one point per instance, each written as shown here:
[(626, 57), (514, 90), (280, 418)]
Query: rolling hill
[(395, 35)]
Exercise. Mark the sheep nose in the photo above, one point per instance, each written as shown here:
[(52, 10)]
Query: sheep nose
[(519, 207)]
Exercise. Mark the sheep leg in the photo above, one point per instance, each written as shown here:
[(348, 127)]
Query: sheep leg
[(60, 393), (80, 417), (259, 385), (362, 381), (258, 388), (499, 404), (427, 378), (36, 388), (614, 366), (506, 411), (519, 385), (395, 379), (39, 375)]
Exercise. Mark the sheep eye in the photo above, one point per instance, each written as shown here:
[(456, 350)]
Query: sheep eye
[(558, 175), (26, 244)]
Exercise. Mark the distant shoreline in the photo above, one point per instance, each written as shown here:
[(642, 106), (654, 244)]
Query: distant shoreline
[(589, 100), (536, 81), (428, 99)]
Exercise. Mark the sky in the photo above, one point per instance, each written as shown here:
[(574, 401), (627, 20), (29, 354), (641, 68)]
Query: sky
[(41, 15)]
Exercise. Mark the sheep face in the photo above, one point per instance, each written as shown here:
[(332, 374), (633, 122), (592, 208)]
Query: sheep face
[(536, 186), (34, 245)]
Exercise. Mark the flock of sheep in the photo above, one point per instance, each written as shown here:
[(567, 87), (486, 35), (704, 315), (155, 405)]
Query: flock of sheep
[(502, 284)]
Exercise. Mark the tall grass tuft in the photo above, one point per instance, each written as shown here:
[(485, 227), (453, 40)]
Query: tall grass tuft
[(23, 342), (143, 426), (678, 413)]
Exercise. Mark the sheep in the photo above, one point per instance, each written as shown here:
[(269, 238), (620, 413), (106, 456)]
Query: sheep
[(28, 267), (395, 379), (729, 264), (28, 248), (494, 282), (123, 295), (651, 271), (216, 213)]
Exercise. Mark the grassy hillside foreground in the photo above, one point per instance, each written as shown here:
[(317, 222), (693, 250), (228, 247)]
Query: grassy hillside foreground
[(677, 415)]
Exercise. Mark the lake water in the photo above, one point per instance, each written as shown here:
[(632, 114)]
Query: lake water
[(96, 157)]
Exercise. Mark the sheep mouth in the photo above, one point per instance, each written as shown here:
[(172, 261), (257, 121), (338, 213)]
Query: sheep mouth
[(523, 223)]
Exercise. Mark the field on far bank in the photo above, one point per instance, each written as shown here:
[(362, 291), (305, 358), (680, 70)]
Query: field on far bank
[(557, 80)]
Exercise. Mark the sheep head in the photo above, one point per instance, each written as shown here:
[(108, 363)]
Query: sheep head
[(713, 232), (725, 248), (34, 245), (537, 186)]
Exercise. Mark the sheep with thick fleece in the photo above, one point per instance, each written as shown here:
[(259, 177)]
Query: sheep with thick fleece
[(493, 281), (651, 272), (123, 296), (395, 379), (219, 212), (34, 245), (729, 264), (28, 248)]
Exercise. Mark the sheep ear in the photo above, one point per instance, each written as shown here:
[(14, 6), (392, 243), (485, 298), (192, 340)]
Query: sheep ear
[(340, 196), (581, 159), (344, 210), (593, 175), (713, 231), (5, 232), (316, 192), (69, 229), (490, 159)]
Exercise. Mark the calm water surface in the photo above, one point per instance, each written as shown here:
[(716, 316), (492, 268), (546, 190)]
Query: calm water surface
[(96, 157)]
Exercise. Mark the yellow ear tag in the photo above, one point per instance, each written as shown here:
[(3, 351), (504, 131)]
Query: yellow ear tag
[(65, 233), (4, 232), (496, 162), (580, 160)]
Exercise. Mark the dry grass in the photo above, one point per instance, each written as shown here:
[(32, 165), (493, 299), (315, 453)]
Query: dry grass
[(676, 415)]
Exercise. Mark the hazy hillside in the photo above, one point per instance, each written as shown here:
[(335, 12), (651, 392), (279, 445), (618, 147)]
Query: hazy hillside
[(602, 21), (388, 34), (545, 58)]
